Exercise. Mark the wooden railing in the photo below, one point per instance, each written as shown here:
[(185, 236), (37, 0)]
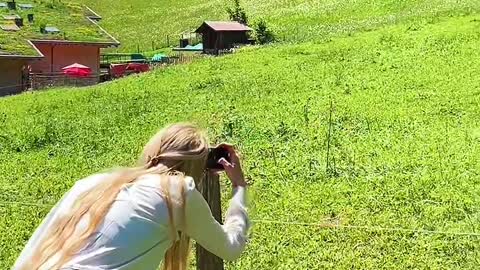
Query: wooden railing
[(47, 80)]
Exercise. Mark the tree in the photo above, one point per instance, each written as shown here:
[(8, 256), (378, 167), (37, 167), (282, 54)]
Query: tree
[(262, 33), (237, 13)]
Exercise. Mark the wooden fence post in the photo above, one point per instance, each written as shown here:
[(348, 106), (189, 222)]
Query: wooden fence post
[(210, 188)]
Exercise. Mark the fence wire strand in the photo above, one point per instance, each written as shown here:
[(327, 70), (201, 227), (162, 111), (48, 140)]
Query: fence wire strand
[(26, 204), (364, 227), (327, 224)]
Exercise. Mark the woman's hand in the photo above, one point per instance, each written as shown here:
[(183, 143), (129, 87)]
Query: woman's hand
[(233, 169)]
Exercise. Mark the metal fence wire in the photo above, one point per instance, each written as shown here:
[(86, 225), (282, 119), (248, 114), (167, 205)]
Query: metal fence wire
[(326, 224)]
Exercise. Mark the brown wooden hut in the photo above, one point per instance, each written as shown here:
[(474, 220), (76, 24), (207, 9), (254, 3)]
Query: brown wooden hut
[(218, 36)]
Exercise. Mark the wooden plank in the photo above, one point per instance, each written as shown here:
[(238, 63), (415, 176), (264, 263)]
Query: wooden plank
[(210, 188)]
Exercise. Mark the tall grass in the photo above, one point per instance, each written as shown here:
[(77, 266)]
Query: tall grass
[(404, 144)]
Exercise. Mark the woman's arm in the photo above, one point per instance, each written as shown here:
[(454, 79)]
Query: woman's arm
[(226, 241)]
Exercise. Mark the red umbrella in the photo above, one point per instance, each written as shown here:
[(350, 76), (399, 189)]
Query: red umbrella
[(77, 70)]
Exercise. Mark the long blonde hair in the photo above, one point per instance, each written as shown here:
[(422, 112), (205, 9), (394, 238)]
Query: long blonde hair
[(177, 150)]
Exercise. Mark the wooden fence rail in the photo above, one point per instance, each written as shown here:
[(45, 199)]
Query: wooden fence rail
[(46, 80)]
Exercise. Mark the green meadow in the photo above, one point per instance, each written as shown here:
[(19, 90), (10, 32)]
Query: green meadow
[(361, 149), (145, 24)]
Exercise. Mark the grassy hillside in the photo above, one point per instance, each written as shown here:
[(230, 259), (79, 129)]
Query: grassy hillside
[(141, 22), (404, 144)]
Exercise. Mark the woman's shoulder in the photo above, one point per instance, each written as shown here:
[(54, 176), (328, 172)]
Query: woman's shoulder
[(174, 182), (90, 181), (156, 187)]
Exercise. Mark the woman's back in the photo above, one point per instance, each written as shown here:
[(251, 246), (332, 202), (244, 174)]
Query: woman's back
[(136, 231), (130, 218)]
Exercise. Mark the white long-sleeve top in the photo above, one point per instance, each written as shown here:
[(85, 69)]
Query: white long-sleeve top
[(136, 232)]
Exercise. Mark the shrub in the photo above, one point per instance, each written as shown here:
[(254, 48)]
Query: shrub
[(263, 34), (237, 13)]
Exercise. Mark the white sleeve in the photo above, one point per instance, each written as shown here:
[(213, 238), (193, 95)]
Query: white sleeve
[(226, 241), (62, 207)]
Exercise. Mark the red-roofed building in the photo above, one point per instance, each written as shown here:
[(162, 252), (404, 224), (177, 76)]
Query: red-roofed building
[(32, 56), (222, 35)]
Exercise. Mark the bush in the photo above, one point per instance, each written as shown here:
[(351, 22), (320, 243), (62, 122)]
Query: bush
[(262, 33), (237, 13)]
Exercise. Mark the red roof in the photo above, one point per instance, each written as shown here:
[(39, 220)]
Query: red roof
[(224, 26)]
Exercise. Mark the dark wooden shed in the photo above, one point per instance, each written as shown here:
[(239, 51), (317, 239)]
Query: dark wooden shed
[(218, 36)]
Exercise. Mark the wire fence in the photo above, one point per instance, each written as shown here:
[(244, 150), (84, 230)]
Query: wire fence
[(327, 224), (166, 41), (26, 204), (38, 81), (41, 81)]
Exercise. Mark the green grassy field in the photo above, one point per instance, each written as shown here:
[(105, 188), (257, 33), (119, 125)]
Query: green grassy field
[(144, 24), (404, 143)]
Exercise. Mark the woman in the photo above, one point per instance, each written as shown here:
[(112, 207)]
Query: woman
[(132, 218)]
